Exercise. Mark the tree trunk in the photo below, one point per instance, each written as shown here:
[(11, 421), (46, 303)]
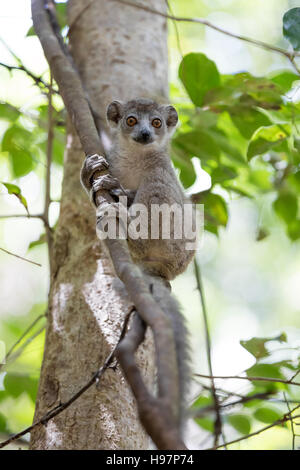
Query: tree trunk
[(120, 53)]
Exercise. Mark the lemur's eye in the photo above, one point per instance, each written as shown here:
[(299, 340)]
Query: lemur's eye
[(131, 121), (156, 123)]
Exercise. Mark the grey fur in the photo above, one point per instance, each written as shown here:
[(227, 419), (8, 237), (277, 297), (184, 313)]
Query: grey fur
[(143, 167), (171, 307)]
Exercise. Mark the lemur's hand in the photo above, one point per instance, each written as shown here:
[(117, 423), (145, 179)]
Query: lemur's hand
[(91, 165), (91, 177)]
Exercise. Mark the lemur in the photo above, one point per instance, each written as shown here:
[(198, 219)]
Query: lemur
[(139, 165)]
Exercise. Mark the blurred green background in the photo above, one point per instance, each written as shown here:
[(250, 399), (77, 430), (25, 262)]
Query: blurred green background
[(251, 287)]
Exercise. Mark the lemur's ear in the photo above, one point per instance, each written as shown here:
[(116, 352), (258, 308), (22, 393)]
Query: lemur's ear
[(171, 116), (114, 112)]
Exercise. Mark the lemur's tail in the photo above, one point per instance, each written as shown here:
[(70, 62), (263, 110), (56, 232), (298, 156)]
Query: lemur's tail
[(167, 302)]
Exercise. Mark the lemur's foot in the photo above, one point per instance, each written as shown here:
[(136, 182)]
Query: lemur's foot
[(105, 182), (92, 164)]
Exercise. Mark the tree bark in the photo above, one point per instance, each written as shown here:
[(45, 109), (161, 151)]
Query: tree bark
[(120, 53)]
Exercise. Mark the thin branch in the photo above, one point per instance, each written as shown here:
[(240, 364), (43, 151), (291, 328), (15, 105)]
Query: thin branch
[(251, 379), (49, 235), (295, 375), (292, 422), (241, 401), (26, 216), (63, 406), (290, 55), (13, 347), (37, 80), (176, 31), (21, 441), (218, 420), (20, 350), (20, 257), (221, 390)]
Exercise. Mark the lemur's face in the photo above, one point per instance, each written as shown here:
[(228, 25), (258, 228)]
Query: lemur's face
[(143, 121)]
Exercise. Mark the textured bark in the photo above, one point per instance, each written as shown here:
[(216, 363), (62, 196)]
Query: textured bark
[(121, 53)]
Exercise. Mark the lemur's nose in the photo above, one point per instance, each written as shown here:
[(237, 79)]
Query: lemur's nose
[(145, 135)]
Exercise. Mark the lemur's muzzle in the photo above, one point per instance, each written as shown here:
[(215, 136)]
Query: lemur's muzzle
[(144, 137)]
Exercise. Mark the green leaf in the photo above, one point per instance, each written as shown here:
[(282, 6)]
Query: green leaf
[(293, 230), (58, 148), (61, 12), (31, 32), (267, 415), (271, 371), (240, 423), (16, 142), (197, 143), (199, 75), (202, 402), (248, 120), (8, 112), (286, 206), (16, 384), (230, 150), (206, 423), (265, 92), (204, 119), (255, 402), (284, 79), (265, 138), (215, 210), (294, 180), (291, 27), (3, 425), (222, 173), (16, 191), (261, 179), (256, 346), (183, 162), (40, 241)]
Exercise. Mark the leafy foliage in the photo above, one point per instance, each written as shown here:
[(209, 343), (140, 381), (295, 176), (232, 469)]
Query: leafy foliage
[(253, 407), (291, 27), (244, 131), (16, 191)]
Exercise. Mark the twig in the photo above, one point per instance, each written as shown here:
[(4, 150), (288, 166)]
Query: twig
[(218, 420), (206, 409), (63, 406), (38, 80), (289, 55), (13, 347), (76, 103), (21, 441), (282, 420), (176, 31), (251, 379), (292, 422), (27, 216), (20, 350), (295, 375), (20, 257), (49, 235)]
